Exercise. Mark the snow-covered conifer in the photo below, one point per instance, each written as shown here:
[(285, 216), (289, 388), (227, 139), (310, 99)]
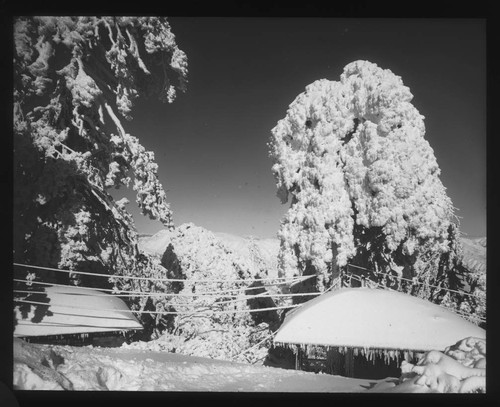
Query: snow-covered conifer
[(76, 79), (363, 181)]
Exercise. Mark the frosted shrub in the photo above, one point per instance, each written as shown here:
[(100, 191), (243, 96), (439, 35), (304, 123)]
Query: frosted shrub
[(206, 324)]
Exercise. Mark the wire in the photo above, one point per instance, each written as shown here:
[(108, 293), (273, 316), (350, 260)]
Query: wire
[(61, 324), (244, 298), (266, 295), (154, 312), (269, 295), (128, 293), (461, 313), (415, 282), (151, 294), (29, 282), (362, 280), (191, 280), (142, 294)]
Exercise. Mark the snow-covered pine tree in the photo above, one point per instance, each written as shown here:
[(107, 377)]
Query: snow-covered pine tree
[(75, 80), (364, 185)]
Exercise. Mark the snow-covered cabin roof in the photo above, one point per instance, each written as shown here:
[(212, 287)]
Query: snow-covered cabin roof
[(374, 318), (73, 310)]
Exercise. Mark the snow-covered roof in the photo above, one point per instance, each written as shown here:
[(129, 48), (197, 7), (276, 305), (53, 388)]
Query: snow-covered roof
[(73, 310), (374, 318)]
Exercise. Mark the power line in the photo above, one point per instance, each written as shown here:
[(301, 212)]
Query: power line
[(235, 300), (190, 280), (461, 313), (416, 282), (151, 294), (154, 312), (266, 295)]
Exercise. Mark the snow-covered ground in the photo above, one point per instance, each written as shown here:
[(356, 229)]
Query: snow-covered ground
[(460, 368), (52, 367)]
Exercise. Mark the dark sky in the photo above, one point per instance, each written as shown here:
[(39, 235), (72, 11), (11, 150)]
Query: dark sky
[(210, 144)]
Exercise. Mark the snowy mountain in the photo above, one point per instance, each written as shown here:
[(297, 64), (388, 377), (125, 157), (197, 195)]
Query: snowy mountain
[(475, 254), (258, 254), (263, 253)]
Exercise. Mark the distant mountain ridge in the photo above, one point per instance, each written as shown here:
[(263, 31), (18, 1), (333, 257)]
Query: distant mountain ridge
[(474, 253), (262, 254)]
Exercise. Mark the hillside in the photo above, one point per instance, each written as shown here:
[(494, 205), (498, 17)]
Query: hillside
[(262, 253), (475, 254), (257, 254)]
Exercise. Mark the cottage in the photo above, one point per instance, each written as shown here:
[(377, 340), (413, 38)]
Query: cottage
[(55, 314), (354, 326)]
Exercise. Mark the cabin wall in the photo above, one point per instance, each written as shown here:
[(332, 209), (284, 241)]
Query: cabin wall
[(347, 363)]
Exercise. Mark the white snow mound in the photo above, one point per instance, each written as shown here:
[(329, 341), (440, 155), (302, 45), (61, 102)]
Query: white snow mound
[(374, 318)]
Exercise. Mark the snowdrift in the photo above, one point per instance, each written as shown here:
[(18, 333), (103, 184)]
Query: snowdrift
[(72, 310), (372, 318), (79, 368), (460, 369)]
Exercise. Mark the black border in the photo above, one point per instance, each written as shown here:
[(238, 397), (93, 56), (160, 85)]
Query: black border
[(358, 9)]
